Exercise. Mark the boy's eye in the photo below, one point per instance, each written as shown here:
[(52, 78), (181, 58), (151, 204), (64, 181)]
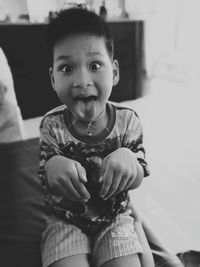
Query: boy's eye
[(66, 69), (95, 66)]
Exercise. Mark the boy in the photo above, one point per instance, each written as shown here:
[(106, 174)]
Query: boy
[(91, 151)]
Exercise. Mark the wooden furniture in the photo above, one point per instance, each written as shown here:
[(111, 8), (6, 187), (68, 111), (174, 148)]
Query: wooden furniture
[(25, 48)]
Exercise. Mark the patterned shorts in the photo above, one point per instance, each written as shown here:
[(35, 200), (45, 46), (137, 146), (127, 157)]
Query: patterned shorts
[(61, 240)]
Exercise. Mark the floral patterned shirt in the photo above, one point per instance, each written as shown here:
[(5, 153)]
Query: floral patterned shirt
[(58, 137)]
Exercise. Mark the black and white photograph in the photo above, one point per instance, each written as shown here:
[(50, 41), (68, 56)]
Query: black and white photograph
[(99, 133)]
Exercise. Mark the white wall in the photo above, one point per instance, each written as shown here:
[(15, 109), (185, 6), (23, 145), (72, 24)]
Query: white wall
[(39, 9), (13, 8)]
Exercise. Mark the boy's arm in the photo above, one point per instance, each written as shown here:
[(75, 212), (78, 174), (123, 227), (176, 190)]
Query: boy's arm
[(135, 142), (59, 176), (125, 168), (139, 177), (66, 178)]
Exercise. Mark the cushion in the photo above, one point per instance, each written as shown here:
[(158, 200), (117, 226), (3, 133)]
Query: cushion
[(11, 126), (22, 211), (6, 78)]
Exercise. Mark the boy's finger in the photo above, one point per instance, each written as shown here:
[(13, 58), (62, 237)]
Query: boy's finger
[(129, 183), (122, 185), (78, 182), (106, 182), (81, 172), (71, 192), (114, 186), (81, 189)]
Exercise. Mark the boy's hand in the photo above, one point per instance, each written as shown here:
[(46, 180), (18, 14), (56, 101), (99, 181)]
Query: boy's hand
[(118, 171), (66, 178)]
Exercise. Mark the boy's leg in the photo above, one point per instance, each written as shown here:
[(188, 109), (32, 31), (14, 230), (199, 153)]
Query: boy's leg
[(117, 242), (126, 261), (64, 245), (80, 260)]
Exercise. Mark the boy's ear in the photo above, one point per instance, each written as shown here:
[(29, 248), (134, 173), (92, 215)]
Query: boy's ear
[(52, 77), (115, 72)]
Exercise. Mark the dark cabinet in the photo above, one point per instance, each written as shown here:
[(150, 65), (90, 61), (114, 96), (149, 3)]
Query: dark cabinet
[(24, 46)]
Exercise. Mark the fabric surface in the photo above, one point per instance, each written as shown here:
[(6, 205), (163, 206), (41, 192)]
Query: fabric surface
[(61, 240), (6, 78), (22, 215), (11, 126), (22, 212)]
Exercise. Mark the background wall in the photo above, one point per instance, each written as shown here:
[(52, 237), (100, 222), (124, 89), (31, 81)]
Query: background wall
[(39, 9), (13, 7)]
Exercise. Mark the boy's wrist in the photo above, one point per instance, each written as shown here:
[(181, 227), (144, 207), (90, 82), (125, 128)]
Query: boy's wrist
[(140, 170), (139, 176)]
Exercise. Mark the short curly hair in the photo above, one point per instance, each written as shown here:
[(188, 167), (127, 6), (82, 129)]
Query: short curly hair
[(78, 21)]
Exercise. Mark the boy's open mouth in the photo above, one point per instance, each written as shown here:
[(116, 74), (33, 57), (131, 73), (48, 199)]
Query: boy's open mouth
[(86, 98)]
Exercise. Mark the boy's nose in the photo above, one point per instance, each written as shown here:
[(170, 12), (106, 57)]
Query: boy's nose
[(82, 79)]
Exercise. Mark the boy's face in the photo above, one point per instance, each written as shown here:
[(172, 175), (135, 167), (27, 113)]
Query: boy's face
[(83, 75)]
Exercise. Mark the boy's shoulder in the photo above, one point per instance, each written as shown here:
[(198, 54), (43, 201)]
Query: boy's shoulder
[(55, 111), (124, 108), (52, 115)]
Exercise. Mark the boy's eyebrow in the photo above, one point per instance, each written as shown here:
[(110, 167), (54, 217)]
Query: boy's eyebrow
[(95, 53), (67, 57), (62, 57)]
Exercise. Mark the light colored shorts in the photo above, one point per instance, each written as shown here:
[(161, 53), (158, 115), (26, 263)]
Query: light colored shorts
[(61, 240)]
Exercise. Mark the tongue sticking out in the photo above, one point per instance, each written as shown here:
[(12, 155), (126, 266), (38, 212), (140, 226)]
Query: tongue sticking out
[(86, 109)]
